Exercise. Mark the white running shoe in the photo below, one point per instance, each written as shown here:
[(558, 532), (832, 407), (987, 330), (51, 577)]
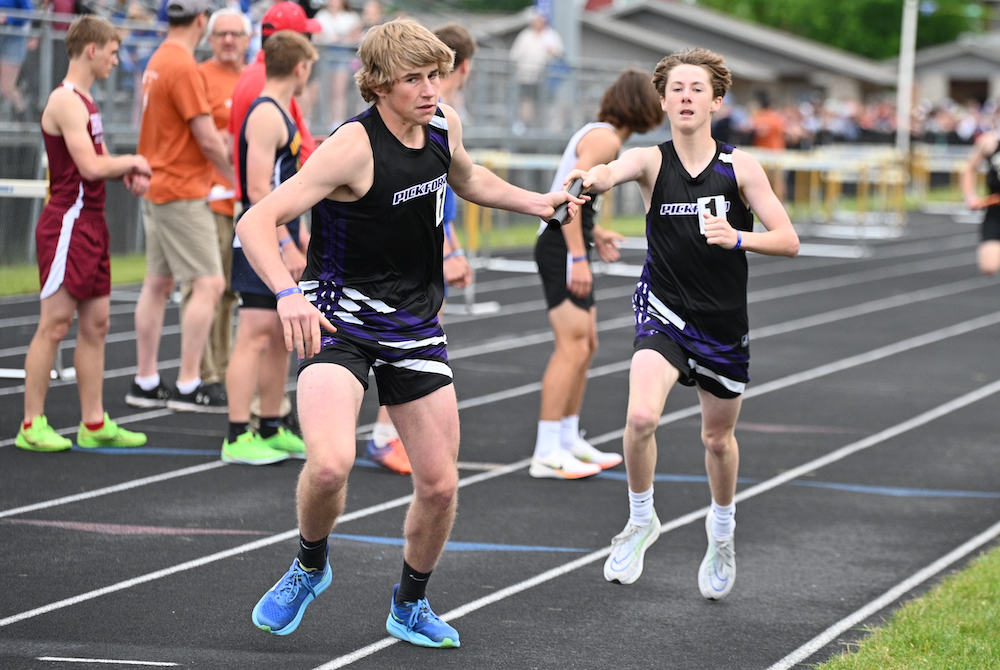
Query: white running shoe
[(628, 547), (587, 453), (717, 573), (561, 464)]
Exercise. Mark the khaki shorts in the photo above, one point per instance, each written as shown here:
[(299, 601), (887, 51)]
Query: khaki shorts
[(181, 239)]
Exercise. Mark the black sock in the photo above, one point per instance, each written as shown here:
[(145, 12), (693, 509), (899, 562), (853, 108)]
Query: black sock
[(236, 429), (312, 555), (412, 585), (269, 426)]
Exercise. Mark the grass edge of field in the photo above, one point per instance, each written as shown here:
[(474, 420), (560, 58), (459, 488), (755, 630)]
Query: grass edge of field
[(954, 625)]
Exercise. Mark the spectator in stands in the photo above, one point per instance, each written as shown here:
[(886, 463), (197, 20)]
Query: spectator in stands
[(13, 51), (339, 40), (769, 133), (533, 49), (182, 144)]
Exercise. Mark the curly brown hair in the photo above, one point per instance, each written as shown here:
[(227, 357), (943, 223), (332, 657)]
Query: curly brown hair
[(720, 75)]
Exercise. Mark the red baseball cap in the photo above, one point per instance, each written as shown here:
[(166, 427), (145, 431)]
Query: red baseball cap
[(288, 16)]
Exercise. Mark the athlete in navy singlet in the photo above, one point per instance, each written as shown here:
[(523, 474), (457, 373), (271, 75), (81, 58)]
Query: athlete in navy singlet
[(690, 304), (374, 282), (269, 146), (987, 148)]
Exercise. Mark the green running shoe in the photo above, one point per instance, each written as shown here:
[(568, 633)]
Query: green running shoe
[(41, 437), (250, 449), (110, 435), (288, 442)]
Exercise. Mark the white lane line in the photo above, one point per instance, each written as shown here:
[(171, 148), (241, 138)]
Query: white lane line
[(767, 387), (886, 599), (107, 661), (243, 548), (831, 368), (124, 486), (691, 517)]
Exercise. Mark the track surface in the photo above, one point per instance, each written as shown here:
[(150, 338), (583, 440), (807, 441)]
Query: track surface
[(868, 452)]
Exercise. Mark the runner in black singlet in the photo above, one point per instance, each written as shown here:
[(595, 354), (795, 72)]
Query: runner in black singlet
[(374, 283), (690, 304)]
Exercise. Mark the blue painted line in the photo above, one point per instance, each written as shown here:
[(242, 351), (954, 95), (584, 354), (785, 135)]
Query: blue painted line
[(459, 546), (897, 492), (621, 476), (156, 451)]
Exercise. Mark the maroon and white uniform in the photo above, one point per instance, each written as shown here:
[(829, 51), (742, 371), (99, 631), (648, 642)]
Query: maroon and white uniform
[(72, 234)]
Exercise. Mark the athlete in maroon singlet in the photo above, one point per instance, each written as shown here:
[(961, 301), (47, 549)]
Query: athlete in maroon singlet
[(73, 245)]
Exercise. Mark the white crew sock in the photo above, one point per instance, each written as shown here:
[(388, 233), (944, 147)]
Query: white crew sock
[(569, 431), (548, 439), (640, 507), (189, 387), (148, 383), (723, 520), (383, 434)]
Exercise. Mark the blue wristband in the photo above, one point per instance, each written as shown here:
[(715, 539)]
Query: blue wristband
[(288, 291), (739, 240), (456, 252), (579, 259), (282, 243)]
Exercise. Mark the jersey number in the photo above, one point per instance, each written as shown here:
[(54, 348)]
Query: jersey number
[(439, 211)]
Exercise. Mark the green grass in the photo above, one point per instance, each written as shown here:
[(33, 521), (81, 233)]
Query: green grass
[(521, 235), (955, 626), (21, 279)]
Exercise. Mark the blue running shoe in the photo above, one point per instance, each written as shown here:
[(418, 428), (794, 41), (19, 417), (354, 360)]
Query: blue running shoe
[(280, 610), (416, 623)]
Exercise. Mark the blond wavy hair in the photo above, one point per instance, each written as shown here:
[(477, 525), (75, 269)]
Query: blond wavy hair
[(394, 46)]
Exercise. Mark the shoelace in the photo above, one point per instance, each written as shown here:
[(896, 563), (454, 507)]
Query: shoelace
[(631, 530), (726, 552), (290, 587), (419, 611)]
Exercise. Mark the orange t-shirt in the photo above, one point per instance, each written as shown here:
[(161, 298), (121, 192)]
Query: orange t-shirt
[(173, 93), (221, 83), (769, 129)]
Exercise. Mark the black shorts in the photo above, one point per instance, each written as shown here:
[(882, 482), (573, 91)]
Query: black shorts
[(554, 261), (253, 291), (692, 372), (991, 224), (396, 384)]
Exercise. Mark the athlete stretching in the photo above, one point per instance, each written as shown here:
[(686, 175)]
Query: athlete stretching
[(691, 303)]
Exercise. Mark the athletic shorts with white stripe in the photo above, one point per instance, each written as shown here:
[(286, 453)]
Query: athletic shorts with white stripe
[(72, 246), (408, 355), (712, 351)]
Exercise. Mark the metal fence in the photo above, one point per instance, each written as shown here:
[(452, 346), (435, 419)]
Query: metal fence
[(568, 99)]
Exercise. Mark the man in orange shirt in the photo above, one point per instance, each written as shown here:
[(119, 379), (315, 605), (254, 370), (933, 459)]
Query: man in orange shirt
[(229, 33), (180, 139)]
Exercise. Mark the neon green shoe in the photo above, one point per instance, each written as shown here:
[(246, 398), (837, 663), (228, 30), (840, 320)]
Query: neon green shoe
[(250, 449), (288, 442), (110, 435), (41, 437)]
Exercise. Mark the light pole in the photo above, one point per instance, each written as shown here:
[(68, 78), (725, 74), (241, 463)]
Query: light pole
[(904, 82)]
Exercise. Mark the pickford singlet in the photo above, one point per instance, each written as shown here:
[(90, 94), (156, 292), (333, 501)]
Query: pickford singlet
[(682, 269), (374, 266)]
